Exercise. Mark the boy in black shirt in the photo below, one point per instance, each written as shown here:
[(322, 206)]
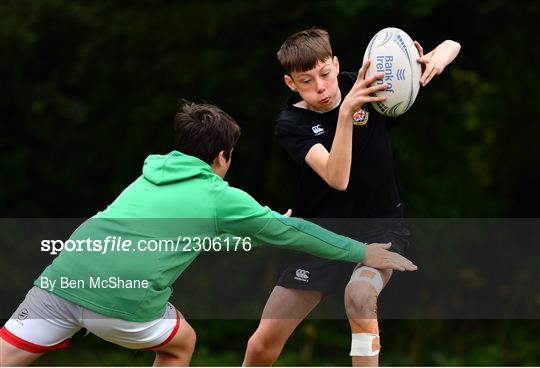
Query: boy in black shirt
[(347, 170)]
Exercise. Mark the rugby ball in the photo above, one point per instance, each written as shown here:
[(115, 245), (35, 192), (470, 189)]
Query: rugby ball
[(393, 53)]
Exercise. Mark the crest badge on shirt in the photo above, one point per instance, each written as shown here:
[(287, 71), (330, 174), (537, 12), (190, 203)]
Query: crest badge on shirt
[(317, 129), (360, 117)]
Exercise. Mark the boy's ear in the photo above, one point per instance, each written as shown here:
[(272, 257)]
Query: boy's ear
[(336, 63), (220, 159), (290, 83)]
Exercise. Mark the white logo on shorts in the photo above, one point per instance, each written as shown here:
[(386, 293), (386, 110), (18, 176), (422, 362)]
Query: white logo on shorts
[(302, 275)]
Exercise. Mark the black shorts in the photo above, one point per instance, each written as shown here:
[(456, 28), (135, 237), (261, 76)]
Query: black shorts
[(307, 272)]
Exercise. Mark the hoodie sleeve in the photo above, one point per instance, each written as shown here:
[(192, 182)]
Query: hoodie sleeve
[(239, 214)]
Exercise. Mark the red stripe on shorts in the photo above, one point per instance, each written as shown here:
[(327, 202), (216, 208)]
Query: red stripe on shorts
[(28, 346), (174, 331)]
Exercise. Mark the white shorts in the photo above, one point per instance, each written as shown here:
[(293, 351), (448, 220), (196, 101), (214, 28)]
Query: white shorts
[(45, 322)]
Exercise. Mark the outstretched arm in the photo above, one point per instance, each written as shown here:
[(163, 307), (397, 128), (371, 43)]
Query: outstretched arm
[(434, 62), (240, 215)]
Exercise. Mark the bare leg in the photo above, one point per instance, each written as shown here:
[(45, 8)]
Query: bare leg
[(361, 308), (12, 356), (179, 350), (283, 312)]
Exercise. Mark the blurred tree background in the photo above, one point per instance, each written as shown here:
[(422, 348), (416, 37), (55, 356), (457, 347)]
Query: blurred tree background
[(91, 88)]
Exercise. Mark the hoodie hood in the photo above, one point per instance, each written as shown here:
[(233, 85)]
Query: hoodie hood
[(173, 167)]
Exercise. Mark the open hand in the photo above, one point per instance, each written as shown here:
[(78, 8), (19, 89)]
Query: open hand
[(434, 62), (378, 256)]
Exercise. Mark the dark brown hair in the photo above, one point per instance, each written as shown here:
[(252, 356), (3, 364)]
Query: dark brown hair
[(203, 130), (301, 51)]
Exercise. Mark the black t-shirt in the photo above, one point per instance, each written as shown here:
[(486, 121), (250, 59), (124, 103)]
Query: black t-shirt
[(373, 188)]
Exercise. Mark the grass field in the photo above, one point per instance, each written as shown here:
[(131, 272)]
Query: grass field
[(325, 343)]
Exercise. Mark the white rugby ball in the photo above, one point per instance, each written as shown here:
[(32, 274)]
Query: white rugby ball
[(393, 53)]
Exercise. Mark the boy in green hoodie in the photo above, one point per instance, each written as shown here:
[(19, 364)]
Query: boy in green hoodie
[(115, 277)]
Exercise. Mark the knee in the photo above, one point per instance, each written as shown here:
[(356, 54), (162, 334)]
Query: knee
[(179, 350), (190, 338), (360, 301), (183, 343), (257, 345), (261, 349)]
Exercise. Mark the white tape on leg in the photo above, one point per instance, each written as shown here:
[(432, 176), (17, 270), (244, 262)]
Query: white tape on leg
[(365, 344), (369, 275)]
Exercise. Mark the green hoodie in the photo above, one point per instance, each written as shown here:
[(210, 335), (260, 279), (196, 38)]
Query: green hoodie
[(178, 199)]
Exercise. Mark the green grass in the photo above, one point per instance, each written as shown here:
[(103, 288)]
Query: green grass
[(326, 343)]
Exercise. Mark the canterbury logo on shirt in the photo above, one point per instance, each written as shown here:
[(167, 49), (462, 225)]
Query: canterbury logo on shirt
[(302, 275), (317, 129)]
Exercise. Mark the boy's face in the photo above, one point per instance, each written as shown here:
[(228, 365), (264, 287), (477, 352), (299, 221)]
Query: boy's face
[(318, 87)]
